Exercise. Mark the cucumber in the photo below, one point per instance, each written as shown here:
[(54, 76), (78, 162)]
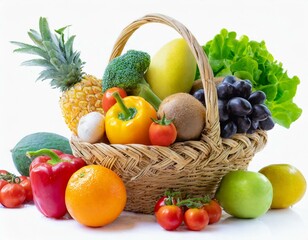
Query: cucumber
[(36, 141)]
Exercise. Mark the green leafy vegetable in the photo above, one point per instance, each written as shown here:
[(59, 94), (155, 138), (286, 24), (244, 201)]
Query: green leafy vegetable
[(251, 60)]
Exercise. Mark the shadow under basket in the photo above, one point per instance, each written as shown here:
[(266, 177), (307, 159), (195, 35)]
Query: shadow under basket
[(192, 167)]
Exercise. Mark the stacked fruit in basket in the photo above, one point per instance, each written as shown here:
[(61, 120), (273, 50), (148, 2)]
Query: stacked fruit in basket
[(165, 87), (158, 101)]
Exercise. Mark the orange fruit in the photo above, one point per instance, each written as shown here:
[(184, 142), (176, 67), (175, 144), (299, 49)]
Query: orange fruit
[(289, 184), (95, 196)]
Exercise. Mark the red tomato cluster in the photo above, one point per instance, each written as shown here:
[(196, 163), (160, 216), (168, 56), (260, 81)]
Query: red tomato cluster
[(196, 213), (14, 191)]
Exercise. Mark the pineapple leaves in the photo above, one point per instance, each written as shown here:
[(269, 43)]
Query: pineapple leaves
[(60, 31), (44, 29), (61, 64), (48, 74), (36, 38), (69, 47), (54, 51), (27, 48), (37, 62)]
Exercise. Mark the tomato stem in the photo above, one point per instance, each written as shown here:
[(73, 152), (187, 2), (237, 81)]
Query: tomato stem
[(164, 121), (194, 202), (10, 177)]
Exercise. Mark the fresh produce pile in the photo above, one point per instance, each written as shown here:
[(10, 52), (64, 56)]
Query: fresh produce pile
[(247, 59), (254, 94), (152, 101), (172, 209)]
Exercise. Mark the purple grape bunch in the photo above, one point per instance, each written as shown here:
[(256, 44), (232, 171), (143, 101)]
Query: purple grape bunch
[(240, 109)]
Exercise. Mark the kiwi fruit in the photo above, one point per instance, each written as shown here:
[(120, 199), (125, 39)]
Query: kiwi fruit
[(187, 113)]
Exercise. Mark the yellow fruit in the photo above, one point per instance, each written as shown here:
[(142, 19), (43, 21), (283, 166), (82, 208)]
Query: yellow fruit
[(289, 185), (95, 196), (172, 69)]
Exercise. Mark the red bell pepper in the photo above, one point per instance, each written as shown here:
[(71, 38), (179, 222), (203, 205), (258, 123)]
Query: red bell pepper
[(49, 175)]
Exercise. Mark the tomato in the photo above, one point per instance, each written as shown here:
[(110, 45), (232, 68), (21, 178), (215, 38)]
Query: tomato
[(26, 184), (163, 201), (162, 132), (23, 178), (170, 217), (12, 195), (214, 211), (245, 194), (108, 100), (196, 219), (2, 183), (5, 178), (3, 172)]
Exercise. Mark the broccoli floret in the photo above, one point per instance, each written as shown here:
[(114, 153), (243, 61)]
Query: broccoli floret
[(127, 72)]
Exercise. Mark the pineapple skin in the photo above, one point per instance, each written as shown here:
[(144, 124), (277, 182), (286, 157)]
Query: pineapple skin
[(84, 97)]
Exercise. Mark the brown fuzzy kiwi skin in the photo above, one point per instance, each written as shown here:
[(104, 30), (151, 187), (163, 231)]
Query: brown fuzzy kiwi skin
[(188, 115)]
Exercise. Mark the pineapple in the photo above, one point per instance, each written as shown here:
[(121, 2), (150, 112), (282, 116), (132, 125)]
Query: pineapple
[(81, 93)]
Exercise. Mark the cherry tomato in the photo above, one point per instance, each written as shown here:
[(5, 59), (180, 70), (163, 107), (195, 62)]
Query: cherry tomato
[(26, 184), (23, 178), (170, 217), (214, 211), (3, 172), (162, 132), (160, 203), (196, 219), (2, 183), (108, 100), (163, 201), (12, 195)]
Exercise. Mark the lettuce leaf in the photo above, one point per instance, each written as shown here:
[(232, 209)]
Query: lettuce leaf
[(251, 60)]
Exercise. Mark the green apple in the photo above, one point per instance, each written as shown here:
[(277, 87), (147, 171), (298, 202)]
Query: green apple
[(172, 69), (245, 194)]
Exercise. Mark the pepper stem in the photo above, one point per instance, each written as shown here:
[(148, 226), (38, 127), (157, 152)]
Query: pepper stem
[(143, 90), (127, 113), (54, 158)]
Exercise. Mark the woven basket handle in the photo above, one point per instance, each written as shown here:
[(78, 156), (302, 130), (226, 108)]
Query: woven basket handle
[(212, 128)]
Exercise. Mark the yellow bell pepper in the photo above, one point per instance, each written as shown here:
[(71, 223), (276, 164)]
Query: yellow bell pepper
[(129, 120)]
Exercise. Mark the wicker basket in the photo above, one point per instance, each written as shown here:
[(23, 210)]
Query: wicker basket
[(194, 167)]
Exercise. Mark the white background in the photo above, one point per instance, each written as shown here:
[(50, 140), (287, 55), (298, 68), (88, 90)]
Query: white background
[(28, 106)]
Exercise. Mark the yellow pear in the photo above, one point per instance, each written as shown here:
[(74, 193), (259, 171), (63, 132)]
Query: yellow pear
[(172, 69)]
